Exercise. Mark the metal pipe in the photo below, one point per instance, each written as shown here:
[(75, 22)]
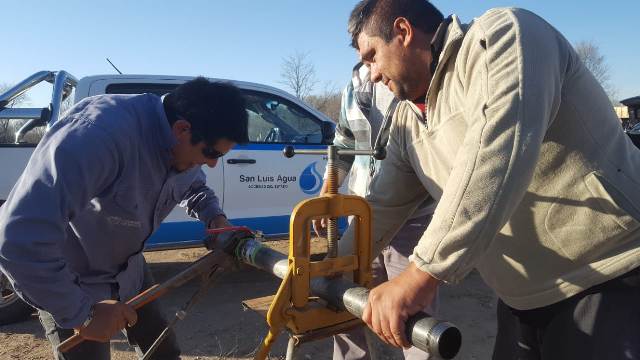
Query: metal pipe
[(21, 87), (61, 89), (205, 266), (378, 153), (63, 83), (292, 346), (23, 113), (28, 126), (436, 337), (290, 151)]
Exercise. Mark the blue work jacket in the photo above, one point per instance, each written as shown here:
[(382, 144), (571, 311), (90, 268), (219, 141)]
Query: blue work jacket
[(96, 187)]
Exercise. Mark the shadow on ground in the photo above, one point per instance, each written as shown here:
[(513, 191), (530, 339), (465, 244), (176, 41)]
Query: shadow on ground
[(219, 328)]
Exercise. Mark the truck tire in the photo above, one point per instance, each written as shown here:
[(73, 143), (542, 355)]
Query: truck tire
[(12, 308)]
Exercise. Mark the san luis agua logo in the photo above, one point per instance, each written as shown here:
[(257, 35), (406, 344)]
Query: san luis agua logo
[(310, 179)]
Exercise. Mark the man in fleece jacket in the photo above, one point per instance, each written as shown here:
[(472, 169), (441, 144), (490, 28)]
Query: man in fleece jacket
[(536, 183)]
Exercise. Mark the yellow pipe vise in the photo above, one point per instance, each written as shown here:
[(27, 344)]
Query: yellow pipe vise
[(294, 307)]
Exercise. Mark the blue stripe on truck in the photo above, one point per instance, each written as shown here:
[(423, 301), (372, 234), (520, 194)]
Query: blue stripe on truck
[(190, 233)]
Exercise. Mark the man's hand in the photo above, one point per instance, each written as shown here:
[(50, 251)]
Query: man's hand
[(320, 225), (391, 304), (219, 221), (109, 317), (224, 236)]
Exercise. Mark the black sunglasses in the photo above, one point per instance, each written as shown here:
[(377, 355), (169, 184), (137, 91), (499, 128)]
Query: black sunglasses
[(210, 153)]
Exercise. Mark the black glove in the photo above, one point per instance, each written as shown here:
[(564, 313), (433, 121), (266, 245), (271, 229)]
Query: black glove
[(227, 239)]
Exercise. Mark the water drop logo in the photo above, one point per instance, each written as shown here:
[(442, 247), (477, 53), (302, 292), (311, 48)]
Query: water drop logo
[(310, 180)]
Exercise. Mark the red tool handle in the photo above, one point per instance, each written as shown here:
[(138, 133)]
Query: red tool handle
[(148, 295)]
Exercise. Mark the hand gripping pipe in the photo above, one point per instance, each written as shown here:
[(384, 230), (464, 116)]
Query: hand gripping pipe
[(437, 337)]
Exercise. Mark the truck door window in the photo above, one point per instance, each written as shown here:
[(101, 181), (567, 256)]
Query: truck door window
[(140, 88), (272, 119), (276, 120)]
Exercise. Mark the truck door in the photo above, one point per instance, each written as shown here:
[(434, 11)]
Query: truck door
[(261, 185)]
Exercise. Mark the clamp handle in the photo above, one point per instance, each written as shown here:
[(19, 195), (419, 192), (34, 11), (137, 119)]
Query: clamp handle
[(378, 153)]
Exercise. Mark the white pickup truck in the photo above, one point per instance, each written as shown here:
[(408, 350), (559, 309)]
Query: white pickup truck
[(256, 185)]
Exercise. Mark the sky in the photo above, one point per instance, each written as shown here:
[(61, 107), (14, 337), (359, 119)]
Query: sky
[(248, 39)]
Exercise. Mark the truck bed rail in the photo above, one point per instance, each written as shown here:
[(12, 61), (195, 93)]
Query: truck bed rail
[(63, 84)]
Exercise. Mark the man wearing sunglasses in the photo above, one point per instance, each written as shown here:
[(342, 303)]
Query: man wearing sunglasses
[(97, 186)]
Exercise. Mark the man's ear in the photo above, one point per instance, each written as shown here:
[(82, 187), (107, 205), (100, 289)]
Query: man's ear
[(402, 28), (181, 128)]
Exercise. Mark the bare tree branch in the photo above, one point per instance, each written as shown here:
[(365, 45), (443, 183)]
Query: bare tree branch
[(590, 55), (298, 74), (327, 102)]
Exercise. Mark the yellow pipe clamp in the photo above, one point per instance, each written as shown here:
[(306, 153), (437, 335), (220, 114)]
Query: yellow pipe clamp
[(294, 307)]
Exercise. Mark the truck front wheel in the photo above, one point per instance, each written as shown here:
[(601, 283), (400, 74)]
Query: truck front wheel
[(12, 308)]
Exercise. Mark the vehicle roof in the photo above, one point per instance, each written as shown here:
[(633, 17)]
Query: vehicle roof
[(631, 102), (85, 82), (175, 78)]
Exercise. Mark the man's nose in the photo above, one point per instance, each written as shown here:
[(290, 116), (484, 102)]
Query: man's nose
[(375, 74), (212, 163)]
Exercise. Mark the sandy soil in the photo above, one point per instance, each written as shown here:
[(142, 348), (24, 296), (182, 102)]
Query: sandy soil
[(218, 327)]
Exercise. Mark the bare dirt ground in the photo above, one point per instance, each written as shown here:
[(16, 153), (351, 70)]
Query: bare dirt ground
[(218, 327)]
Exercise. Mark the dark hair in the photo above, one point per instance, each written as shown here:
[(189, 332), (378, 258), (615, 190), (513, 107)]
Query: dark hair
[(376, 17), (215, 110)]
